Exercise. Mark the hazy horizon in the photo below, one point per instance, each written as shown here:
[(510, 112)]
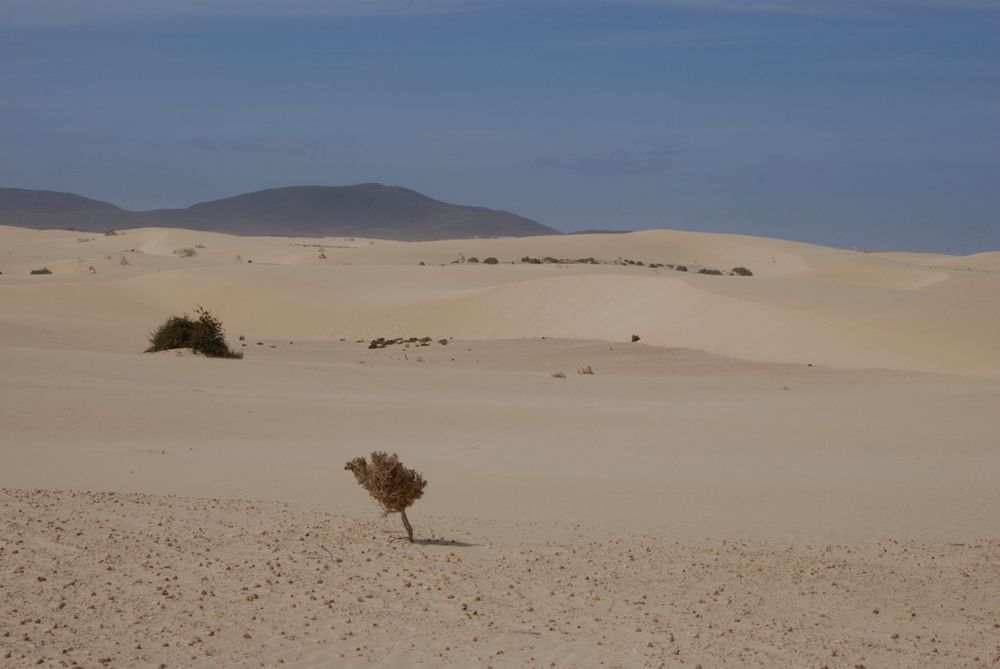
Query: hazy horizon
[(860, 124)]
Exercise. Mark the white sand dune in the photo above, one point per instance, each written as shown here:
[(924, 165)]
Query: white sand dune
[(805, 304), (792, 469)]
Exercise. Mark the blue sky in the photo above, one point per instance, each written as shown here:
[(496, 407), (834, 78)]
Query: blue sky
[(858, 124)]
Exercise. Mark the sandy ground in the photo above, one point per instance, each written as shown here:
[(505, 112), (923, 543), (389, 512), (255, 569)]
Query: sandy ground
[(792, 469)]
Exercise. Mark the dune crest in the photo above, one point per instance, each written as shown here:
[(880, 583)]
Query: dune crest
[(804, 304)]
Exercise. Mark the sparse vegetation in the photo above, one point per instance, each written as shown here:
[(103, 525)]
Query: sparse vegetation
[(110, 233), (186, 252), (393, 486), (383, 342), (635, 338), (588, 370), (44, 270), (491, 261), (204, 335), (559, 375), (122, 260), (628, 262)]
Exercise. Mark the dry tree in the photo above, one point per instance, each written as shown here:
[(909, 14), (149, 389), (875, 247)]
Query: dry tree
[(392, 485)]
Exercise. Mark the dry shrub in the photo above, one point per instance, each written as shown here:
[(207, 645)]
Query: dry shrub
[(559, 375), (393, 486), (585, 370)]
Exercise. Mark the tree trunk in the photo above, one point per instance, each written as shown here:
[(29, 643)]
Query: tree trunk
[(406, 524)]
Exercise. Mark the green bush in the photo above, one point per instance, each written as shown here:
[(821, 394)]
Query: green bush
[(205, 335)]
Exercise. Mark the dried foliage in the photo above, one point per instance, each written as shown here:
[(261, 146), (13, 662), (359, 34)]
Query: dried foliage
[(393, 486)]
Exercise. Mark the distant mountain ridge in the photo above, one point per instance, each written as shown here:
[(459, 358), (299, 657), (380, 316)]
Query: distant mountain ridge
[(363, 210)]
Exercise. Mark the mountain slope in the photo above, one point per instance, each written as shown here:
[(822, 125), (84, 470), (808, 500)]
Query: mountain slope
[(364, 210), (46, 209)]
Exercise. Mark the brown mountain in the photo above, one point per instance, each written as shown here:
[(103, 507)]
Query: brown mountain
[(364, 210)]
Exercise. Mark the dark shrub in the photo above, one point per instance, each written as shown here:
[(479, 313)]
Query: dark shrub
[(474, 260), (205, 335), (742, 271), (491, 261), (44, 270), (713, 272), (635, 338), (681, 268)]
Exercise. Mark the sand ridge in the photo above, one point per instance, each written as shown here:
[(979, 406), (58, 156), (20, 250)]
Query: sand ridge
[(804, 304)]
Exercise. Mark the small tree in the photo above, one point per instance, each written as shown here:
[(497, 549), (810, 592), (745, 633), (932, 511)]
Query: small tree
[(205, 335), (392, 485)]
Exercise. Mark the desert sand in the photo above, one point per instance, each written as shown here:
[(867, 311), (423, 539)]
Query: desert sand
[(793, 469)]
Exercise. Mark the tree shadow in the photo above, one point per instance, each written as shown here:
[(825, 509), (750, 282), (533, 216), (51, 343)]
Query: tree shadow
[(437, 541), (444, 542)]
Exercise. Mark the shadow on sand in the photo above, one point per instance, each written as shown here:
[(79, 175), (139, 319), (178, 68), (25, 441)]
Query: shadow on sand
[(438, 541)]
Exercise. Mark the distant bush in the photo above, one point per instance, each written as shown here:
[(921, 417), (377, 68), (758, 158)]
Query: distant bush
[(681, 268), (742, 271), (474, 260), (491, 261), (585, 370), (110, 233), (186, 252), (713, 272), (205, 335), (635, 338), (44, 270), (559, 375)]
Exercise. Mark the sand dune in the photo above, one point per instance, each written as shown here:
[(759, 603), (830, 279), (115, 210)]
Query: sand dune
[(805, 304), (792, 469)]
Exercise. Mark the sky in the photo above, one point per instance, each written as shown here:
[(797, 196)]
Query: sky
[(860, 124)]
